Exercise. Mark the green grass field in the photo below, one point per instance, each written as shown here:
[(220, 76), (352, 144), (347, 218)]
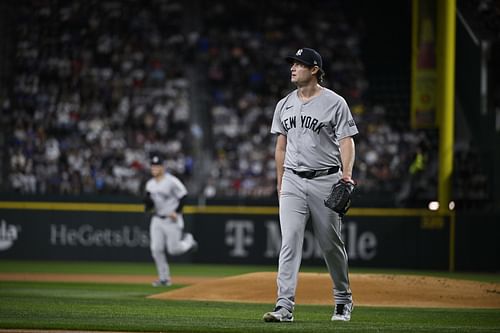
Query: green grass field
[(124, 307)]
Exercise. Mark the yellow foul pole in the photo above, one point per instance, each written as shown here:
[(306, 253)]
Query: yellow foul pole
[(446, 23), (446, 29)]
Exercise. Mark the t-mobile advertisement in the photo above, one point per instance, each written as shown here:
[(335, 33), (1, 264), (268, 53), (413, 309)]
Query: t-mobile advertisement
[(399, 242)]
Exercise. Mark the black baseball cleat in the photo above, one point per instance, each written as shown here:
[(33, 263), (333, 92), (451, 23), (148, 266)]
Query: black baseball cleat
[(342, 312)]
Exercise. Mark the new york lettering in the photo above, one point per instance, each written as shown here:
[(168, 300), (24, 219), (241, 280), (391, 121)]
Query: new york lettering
[(306, 122), (311, 123), (289, 123)]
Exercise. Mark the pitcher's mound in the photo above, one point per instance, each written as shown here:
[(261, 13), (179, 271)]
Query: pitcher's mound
[(368, 290)]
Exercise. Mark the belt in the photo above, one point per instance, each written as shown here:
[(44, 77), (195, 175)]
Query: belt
[(161, 216), (316, 173)]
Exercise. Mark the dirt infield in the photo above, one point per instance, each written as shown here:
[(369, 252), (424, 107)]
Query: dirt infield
[(368, 290), (100, 278), (313, 288), (53, 331)]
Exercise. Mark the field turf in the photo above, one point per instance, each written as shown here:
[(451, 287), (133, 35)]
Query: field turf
[(124, 307)]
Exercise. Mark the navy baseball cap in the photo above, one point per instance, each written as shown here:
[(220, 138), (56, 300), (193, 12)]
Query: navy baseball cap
[(156, 160), (308, 57)]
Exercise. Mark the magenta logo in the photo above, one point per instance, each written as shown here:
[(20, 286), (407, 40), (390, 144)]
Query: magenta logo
[(8, 235)]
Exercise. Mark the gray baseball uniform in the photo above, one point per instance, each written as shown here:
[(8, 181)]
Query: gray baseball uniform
[(166, 233), (313, 130)]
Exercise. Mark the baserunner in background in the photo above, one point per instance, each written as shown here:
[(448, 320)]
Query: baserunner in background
[(165, 197)]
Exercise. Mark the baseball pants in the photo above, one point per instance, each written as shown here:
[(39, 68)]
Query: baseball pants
[(302, 199), (167, 234)]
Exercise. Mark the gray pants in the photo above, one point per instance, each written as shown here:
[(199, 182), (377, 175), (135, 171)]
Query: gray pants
[(167, 235), (302, 199)]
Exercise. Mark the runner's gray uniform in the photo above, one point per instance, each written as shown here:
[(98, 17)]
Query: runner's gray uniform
[(313, 130), (164, 232)]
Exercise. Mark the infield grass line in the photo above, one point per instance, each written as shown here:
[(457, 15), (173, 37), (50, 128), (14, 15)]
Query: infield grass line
[(209, 270)]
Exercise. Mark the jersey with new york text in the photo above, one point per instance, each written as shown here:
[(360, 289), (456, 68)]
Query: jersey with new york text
[(313, 129), (166, 193)]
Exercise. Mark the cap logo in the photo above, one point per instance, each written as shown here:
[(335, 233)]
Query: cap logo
[(299, 52)]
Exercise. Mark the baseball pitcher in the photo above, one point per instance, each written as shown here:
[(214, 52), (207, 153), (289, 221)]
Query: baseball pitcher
[(314, 151)]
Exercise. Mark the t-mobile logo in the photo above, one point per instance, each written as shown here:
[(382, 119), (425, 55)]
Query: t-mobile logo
[(239, 234)]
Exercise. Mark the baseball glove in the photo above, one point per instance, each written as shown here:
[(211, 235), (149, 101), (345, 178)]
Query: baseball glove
[(339, 199)]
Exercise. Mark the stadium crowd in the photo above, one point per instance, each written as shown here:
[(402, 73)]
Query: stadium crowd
[(98, 85)]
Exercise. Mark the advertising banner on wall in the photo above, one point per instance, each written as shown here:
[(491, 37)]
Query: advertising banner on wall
[(73, 235), (403, 242), (371, 241), (424, 68)]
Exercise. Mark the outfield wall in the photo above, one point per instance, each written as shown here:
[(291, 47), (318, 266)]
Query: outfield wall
[(388, 238)]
